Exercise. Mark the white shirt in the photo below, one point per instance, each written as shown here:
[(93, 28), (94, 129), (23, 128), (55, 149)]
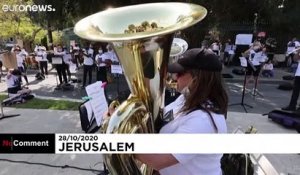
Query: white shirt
[(229, 48), (111, 55), (12, 81), (67, 58), (197, 121), (297, 74), (20, 59), (290, 49), (259, 57), (88, 61), (215, 46), (101, 57), (268, 66), (41, 56)]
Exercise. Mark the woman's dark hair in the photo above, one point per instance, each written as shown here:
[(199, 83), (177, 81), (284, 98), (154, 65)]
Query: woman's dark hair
[(207, 86)]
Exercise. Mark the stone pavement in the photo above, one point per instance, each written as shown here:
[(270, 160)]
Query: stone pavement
[(51, 121)]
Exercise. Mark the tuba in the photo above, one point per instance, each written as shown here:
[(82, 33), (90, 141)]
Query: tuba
[(179, 46), (144, 57)]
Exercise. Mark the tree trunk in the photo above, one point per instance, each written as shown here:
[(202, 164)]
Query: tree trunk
[(50, 35)]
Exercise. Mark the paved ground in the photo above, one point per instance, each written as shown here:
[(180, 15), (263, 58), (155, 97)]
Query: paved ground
[(51, 121)]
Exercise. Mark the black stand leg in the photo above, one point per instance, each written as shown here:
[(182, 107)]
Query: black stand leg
[(118, 85), (104, 171), (2, 116), (243, 96)]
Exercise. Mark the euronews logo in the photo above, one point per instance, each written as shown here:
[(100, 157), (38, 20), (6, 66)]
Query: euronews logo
[(27, 8)]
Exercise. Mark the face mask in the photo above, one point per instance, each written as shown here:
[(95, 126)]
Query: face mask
[(186, 91), (100, 51)]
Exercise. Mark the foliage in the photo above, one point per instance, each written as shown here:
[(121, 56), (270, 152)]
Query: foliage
[(279, 18), (18, 25)]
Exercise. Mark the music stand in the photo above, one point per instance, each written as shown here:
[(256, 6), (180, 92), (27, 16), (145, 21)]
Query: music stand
[(2, 116), (244, 63), (56, 61)]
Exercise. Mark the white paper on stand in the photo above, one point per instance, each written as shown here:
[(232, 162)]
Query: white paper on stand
[(116, 69), (243, 61), (98, 100), (89, 109), (38, 58), (56, 60), (243, 39)]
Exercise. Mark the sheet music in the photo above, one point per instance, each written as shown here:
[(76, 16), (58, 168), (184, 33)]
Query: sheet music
[(116, 69), (89, 109), (243, 39), (243, 61), (56, 60), (98, 101), (38, 58)]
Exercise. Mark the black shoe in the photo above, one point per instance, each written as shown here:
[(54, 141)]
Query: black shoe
[(289, 108)]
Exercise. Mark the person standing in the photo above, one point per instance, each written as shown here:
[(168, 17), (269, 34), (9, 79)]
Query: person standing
[(256, 56), (75, 51), (88, 63), (61, 66), (21, 55), (41, 56), (112, 56), (102, 62), (296, 89), (291, 46), (67, 59)]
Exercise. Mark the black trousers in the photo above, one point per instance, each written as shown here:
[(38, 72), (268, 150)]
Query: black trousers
[(68, 70), (101, 74), (61, 72), (87, 70), (44, 67), (21, 69), (296, 90), (76, 60)]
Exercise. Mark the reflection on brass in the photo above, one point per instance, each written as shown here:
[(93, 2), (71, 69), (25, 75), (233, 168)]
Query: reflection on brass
[(144, 27), (144, 57), (113, 105)]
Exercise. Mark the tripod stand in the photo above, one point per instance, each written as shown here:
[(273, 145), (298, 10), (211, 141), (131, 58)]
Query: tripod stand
[(2, 116), (244, 105)]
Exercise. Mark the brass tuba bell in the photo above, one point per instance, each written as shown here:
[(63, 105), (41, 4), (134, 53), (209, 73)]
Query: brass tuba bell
[(144, 57)]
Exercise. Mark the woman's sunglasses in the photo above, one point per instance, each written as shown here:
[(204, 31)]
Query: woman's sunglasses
[(180, 74)]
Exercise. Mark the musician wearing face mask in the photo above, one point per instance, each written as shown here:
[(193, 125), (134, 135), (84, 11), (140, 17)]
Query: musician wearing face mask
[(21, 55), (201, 108), (61, 66), (88, 63), (256, 56), (41, 56), (102, 63)]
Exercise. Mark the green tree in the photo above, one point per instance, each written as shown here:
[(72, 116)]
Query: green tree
[(18, 25)]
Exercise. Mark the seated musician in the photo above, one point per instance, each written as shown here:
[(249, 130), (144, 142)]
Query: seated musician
[(14, 84)]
